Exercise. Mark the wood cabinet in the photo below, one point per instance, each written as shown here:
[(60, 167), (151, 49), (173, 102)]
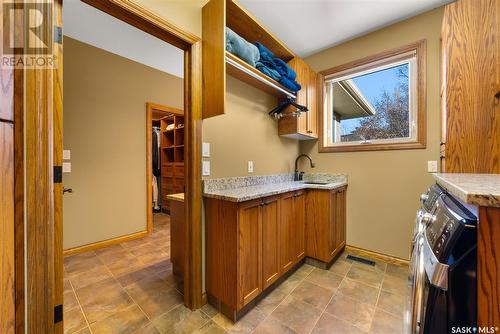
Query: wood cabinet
[(470, 92), (299, 226), (177, 237), (251, 244), (216, 15), (470, 117), (325, 230), (292, 229), (249, 251), (287, 257), (270, 241), (306, 125), (172, 157)]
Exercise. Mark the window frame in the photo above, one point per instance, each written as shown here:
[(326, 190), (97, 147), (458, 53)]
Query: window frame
[(373, 62)]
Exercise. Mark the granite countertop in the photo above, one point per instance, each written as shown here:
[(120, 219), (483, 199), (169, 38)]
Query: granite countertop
[(176, 197), (240, 189), (477, 189)]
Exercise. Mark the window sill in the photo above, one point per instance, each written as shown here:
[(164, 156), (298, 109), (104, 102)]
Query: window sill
[(371, 147)]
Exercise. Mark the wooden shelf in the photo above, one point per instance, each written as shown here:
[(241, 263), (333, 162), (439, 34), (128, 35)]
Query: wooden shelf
[(216, 16), (247, 26), (246, 73)]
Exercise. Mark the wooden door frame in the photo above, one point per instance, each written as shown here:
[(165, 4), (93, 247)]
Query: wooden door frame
[(38, 96), (150, 106)]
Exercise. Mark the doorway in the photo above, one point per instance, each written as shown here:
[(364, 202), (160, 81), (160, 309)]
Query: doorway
[(45, 273)]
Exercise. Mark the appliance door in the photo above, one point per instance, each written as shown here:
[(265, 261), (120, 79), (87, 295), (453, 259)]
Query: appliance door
[(416, 285)]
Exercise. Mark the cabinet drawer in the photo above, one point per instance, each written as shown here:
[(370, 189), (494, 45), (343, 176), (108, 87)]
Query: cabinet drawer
[(167, 170), (167, 189), (179, 170)]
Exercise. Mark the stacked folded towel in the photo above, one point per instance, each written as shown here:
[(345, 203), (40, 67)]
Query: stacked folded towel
[(241, 48), (276, 68), (264, 60)]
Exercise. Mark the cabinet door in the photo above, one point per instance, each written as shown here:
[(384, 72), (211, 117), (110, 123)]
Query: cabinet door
[(270, 241), (471, 104), (332, 229), (287, 244), (302, 95), (249, 252), (299, 225), (340, 220), (312, 104)]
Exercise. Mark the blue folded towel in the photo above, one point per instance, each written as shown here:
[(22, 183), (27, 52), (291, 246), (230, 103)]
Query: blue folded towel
[(268, 71), (265, 53), (276, 68), (294, 86), (284, 69), (241, 48)]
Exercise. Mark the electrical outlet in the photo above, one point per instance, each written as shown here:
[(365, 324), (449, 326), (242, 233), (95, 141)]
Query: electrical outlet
[(432, 166), (206, 168), (250, 166)]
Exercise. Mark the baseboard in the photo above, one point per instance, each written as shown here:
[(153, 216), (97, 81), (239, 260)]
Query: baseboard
[(104, 243), (386, 258)]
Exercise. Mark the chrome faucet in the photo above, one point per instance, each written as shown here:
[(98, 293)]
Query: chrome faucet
[(298, 176)]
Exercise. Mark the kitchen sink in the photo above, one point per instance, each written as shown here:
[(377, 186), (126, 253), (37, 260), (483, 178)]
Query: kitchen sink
[(316, 182)]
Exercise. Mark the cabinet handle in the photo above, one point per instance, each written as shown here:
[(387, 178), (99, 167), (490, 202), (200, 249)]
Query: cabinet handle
[(497, 95), (309, 131)]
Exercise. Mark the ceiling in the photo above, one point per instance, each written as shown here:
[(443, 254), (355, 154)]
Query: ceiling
[(91, 26), (309, 26)]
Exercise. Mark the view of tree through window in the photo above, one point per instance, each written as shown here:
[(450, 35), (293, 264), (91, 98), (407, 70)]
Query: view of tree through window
[(372, 106)]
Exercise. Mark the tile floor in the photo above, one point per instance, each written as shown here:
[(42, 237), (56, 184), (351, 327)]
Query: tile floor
[(129, 288)]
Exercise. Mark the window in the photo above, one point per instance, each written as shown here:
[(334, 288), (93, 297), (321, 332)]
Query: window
[(377, 103)]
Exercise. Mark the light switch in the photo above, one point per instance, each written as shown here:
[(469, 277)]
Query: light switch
[(206, 150), (250, 166), (66, 167), (66, 154), (432, 166), (206, 168)]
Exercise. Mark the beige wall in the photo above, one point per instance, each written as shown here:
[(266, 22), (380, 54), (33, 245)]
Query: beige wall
[(105, 99), (186, 14), (384, 186), (246, 132)]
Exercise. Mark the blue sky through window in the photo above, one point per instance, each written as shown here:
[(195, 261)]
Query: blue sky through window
[(372, 85)]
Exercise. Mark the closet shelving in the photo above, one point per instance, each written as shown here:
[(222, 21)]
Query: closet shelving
[(217, 14), (217, 62), (172, 156)]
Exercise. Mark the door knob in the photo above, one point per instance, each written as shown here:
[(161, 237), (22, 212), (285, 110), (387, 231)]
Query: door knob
[(67, 190)]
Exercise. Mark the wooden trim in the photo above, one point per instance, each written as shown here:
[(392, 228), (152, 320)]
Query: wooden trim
[(149, 169), (19, 214), (192, 171), (7, 234), (421, 55), (136, 15), (379, 256), (105, 243)]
